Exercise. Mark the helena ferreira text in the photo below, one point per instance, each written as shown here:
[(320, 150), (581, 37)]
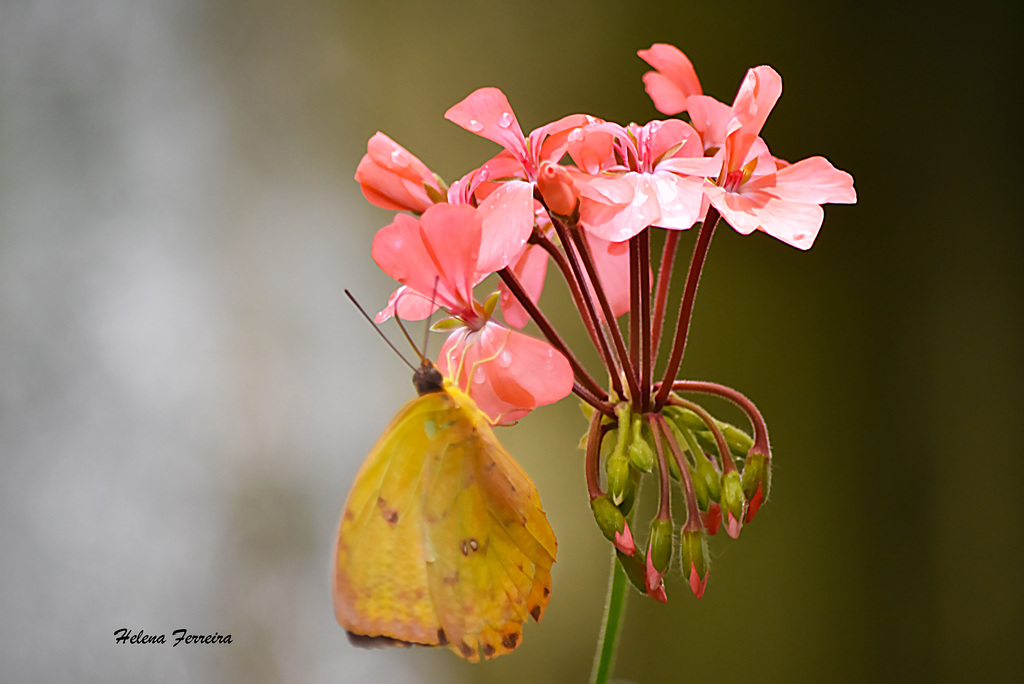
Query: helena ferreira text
[(178, 636)]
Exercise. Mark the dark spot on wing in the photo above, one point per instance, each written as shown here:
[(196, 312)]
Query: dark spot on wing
[(466, 649), (535, 612), (442, 638), (489, 650), (547, 591), (509, 641), (469, 545), (390, 514)]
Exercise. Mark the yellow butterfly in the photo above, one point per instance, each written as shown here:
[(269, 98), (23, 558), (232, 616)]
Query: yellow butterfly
[(443, 541)]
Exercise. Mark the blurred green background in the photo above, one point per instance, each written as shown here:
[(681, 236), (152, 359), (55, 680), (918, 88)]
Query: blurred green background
[(186, 394)]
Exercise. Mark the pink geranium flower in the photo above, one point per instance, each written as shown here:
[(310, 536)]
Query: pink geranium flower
[(755, 191), (655, 176), (435, 258), (506, 372), (393, 178), (508, 208)]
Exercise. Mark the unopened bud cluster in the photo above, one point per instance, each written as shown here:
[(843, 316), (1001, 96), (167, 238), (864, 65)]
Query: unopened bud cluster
[(723, 475)]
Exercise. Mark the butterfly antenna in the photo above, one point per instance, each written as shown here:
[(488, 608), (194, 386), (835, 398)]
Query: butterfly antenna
[(381, 333)]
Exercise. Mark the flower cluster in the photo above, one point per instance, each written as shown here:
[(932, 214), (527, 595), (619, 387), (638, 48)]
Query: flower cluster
[(585, 195)]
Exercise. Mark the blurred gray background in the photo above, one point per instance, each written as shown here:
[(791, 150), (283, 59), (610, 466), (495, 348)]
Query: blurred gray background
[(186, 395)]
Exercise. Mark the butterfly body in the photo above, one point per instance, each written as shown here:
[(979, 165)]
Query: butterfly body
[(443, 540)]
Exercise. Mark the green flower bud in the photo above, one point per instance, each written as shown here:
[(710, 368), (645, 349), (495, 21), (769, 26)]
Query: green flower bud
[(612, 523), (617, 467), (757, 480), (641, 455), (696, 563), (712, 480), (661, 544), (732, 502)]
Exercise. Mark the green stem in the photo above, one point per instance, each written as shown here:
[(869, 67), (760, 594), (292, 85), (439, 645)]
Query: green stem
[(614, 611)]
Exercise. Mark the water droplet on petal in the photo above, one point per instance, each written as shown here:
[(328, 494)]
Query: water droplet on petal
[(475, 126), (398, 158), (506, 119), (483, 175), (576, 135), (504, 359), (479, 376)]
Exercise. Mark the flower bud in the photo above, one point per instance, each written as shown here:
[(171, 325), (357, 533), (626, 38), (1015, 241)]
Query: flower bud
[(641, 455), (617, 467), (612, 524), (732, 502), (393, 178), (694, 550), (557, 188), (659, 555), (634, 565), (660, 545), (709, 475), (757, 481)]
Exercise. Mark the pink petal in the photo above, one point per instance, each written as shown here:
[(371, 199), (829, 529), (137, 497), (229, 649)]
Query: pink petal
[(697, 585), (605, 214), (679, 199), (760, 90), (624, 540), (711, 119), (506, 372), (508, 218), (399, 251), (795, 223), (487, 113), (674, 81), (612, 262), (814, 181), (531, 269), (408, 305), (451, 234)]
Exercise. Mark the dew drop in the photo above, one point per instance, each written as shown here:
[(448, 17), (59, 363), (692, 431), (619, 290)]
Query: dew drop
[(479, 377), (483, 175), (475, 126), (576, 135), (506, 119), (504, 359), (398, 158)]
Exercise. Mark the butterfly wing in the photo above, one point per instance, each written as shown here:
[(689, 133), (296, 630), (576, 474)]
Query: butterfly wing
[(380, 579), (443, 539), (489, 545)]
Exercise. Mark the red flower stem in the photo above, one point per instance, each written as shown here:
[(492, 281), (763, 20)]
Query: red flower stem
[(577, 274), (692, 512), (574, 287), (592, 467), (583, 249), (634, 307), (549, 332), (756, 420), (723, 448), (646, 358), (668, 256), (700, 252), (665, 494)]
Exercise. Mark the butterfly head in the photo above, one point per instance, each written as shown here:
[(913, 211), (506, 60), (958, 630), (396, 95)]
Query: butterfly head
[(427, 379)]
